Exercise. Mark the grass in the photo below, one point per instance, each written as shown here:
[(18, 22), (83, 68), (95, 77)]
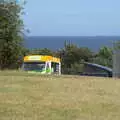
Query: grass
[(33, 97)]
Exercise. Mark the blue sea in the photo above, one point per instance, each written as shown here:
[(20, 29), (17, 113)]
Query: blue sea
[(57, 42)]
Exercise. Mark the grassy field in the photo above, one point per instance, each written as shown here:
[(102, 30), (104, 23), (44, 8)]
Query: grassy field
[(35, 97)]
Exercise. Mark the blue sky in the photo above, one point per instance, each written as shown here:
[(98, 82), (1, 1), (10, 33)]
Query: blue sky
[(72, 17)]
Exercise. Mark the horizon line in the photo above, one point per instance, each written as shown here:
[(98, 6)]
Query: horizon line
[(72, 36)]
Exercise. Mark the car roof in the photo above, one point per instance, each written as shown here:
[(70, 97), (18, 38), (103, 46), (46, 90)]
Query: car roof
[(99, 66)]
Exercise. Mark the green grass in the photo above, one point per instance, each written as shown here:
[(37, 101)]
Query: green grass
[(33, 97)]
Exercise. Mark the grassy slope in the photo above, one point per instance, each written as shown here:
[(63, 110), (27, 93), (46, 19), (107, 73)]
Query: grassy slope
[(24, 97)]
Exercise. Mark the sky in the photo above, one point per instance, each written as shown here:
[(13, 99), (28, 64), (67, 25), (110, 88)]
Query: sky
[(72, 17)]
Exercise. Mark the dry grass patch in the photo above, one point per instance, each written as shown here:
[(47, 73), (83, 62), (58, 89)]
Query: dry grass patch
[(35, 97)]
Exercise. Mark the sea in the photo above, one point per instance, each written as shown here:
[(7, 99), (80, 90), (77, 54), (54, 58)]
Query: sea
[(57, 42)]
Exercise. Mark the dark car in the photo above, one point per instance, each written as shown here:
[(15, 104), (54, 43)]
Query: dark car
[(91, 69)]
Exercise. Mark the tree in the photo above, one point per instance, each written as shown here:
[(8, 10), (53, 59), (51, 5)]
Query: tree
[(104, 56), (11, 39), (72, 54), (116, 45), (44, 51)]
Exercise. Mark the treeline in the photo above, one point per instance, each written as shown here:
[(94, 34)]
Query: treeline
[(72, 56)]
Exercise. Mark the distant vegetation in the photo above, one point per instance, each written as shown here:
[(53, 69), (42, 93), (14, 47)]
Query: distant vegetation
[(12, 50), (72, 55)]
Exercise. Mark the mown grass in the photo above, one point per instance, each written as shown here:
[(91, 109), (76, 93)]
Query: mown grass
[(26, 96)]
